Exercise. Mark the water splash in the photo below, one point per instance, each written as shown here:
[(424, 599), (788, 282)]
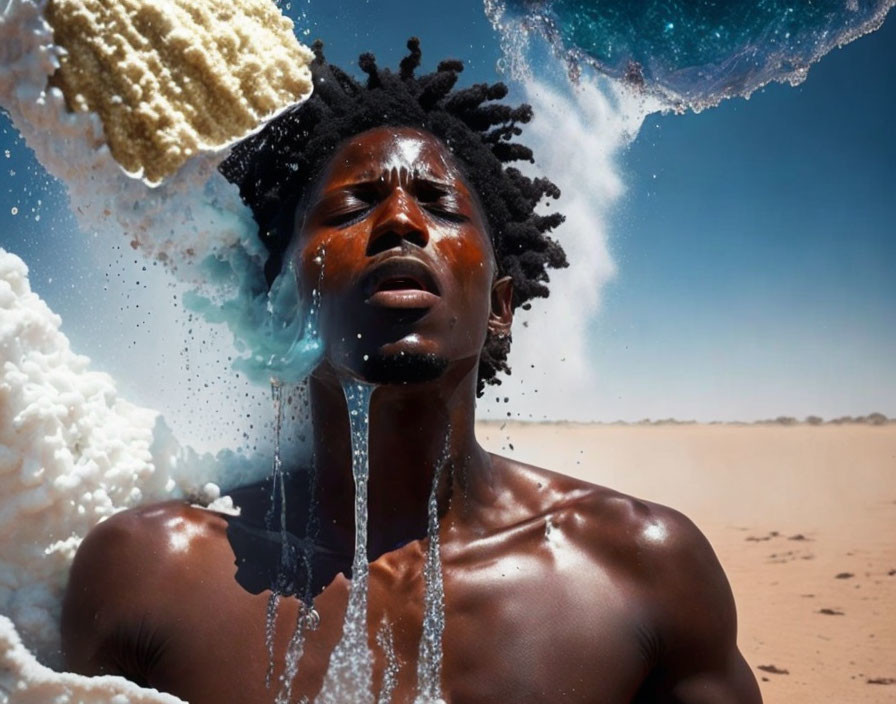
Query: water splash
[(308, 349), (278, 499), (692, 54), (350, 673), (429, 659), (270, 629), (307, 618), (385, 639), (275, 327), (194, 221), (278, 485)]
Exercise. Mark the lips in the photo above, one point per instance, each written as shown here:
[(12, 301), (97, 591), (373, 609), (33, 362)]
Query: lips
[(401, 282)]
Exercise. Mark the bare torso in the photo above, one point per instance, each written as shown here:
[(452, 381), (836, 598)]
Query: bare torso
[(564, 592)]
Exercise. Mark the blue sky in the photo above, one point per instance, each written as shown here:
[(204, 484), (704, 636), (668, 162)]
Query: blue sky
[(756, 250), (753, 247)]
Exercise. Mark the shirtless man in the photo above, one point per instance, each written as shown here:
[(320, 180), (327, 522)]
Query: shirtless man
[(555, 590)]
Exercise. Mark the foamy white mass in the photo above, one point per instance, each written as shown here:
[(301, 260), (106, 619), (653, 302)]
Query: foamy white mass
[(168, 222), (577, 134), (23, 680), (72, 453), (193, 220)]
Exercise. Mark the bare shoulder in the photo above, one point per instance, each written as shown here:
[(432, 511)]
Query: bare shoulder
[(608, 518), (665, 565), (124, 569), (683, 589), (659, 547), (664, 532), (657, 551), (149, 537), (670, 548)]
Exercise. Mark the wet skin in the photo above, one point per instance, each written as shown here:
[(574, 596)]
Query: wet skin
[(555, 590)]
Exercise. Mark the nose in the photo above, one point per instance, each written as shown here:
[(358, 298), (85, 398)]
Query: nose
[(400, 220)]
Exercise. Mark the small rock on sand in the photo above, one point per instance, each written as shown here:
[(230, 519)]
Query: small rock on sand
[(773, 669)]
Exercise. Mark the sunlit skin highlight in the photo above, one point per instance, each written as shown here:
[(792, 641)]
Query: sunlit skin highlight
[(555, 590)]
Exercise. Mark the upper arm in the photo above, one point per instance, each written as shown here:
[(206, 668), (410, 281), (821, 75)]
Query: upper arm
[(114, 585), (92, 606), (699, 661)]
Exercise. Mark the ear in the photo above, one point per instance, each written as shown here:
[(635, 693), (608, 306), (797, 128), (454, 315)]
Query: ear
[(501, 316)]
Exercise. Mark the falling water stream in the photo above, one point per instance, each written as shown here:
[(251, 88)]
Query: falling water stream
[(350, 673), (307, 618), (429, 659), (349, 676), (278, 491), (385, 639)]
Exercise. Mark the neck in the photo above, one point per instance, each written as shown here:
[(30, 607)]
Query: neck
[(414, 429)]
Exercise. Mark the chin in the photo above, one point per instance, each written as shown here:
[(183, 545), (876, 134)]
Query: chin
[(403, 367)]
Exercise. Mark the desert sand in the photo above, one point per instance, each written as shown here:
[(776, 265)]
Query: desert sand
[(802, 518)]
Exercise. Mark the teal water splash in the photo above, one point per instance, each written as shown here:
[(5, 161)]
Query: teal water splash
[(350, 673), (693, 53), (273, 329)]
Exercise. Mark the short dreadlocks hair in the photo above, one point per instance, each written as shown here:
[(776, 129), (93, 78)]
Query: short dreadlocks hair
[(277, 167)]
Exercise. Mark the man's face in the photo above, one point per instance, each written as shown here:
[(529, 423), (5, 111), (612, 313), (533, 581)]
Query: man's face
[(408, 284)]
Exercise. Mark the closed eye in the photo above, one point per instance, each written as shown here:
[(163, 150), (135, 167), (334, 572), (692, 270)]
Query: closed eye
[(447, 214), (347, 215), (439, 201), (347, 207)]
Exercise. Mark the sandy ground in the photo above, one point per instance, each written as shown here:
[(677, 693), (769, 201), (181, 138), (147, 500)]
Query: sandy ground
[(803, 519)]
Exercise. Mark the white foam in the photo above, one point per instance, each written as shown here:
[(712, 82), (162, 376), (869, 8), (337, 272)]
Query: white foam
[(194, 221), (23, 680), (170, 78), (72, 453), (194, 213), (585, 165)]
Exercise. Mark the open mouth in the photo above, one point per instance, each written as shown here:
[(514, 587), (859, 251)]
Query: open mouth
[(401, 282)]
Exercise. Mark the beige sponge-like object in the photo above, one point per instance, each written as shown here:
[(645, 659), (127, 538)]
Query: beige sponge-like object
[(170, 78)]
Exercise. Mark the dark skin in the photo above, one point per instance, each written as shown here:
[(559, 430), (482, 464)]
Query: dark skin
[(555, 589)]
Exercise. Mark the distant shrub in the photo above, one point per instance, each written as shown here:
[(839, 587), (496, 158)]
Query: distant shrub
[(870, 419), (843, 419), (814, 420), (876, 419), (786, 420)]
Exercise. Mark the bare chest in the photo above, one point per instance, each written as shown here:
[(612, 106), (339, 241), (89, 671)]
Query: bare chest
[(524, 625)]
